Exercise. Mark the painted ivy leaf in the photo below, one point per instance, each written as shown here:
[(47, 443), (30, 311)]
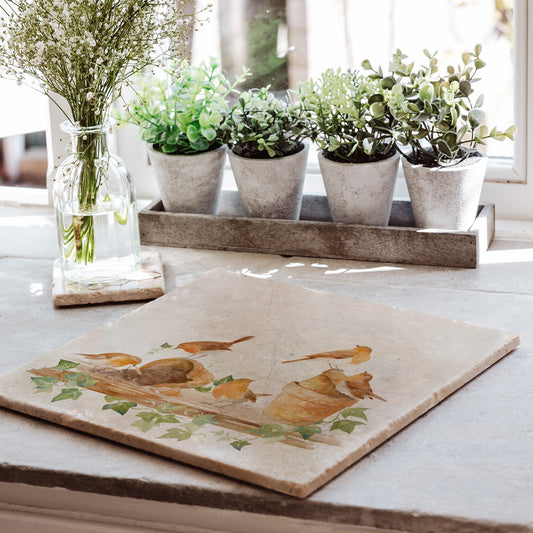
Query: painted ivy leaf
[(176, 433), (268, 430), (239, 444), (307, 431), (227, 379), (148, 416), (112, 398), (119, 407), (345, 425), (44, 383), (202, 389), (168, 419), (168, 407), (81, 379), (204, 419), (65, 365), (166, 345), (69, 393), (86, 381), (357, 412), (143, 425), (73, 377)]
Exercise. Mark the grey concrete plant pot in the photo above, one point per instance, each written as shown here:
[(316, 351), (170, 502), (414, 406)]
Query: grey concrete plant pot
[(360, 193), (445, 197), (271, 188), (189, 183)]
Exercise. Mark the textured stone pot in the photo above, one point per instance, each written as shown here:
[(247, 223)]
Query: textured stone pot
[(445, 197), (271, 188), (189, 183), (360, 193)]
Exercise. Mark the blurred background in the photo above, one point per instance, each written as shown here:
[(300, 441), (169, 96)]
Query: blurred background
[(285, 41)]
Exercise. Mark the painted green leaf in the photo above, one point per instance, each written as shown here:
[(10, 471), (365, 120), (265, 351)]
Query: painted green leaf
[(143, 425), (65, 365), (268, 430), (44, 383), (86, 381), (203, 419), (176, 433), (112, 398), (73, 376), (69, 393), (345, 425), (168, 407), (357, 412), (307, 431), (81, 379), (239, 444), (227, 379), (148, 416), (168, 419), (119, 407), (166, 345), (202, 389)]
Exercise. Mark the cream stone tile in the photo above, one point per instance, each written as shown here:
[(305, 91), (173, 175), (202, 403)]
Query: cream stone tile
[(263, 381)]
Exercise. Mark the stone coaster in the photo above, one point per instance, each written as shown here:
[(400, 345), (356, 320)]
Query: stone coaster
[(145, 284), (263, 381)]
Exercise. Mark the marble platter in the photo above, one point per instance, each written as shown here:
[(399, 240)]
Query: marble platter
[(259, 380)]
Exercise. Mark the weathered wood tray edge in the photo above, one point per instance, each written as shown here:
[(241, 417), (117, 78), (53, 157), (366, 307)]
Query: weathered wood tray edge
[(316, 236)]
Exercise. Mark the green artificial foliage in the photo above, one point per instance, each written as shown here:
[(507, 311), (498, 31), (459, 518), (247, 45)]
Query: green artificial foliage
[(182, 112), (436, 115), (351, 122), (262, 126)]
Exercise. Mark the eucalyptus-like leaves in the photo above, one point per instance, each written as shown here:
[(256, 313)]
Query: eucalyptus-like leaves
[(180, 110), (435, 114), (351, 121), (263, 126)]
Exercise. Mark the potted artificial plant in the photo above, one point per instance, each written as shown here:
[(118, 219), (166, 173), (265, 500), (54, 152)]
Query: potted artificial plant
[(180, 116), (267, 153), (438, 127), (351, 125)]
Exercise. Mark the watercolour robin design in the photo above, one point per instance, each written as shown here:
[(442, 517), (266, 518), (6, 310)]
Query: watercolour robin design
[(206, 346)]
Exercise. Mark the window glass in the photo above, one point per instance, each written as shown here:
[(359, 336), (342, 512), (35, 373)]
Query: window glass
[(285, 41)]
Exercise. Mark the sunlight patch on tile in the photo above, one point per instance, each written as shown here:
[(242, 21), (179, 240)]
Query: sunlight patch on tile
[(264, 275), (494, 257)]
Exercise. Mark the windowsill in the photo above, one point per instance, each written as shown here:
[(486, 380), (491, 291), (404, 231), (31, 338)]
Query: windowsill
[(444, 444)]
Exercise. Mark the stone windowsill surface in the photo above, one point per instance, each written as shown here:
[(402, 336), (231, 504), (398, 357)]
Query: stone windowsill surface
[(463, 466)]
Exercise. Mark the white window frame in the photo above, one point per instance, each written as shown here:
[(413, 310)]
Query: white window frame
[(506, 184)]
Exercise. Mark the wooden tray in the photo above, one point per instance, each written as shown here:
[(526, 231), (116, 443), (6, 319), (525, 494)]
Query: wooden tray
[(315, 235)]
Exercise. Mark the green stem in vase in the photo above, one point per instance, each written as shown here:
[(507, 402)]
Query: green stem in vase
[(89, 149)]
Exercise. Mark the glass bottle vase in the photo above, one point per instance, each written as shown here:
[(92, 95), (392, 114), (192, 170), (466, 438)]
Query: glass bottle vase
[(96, 210)]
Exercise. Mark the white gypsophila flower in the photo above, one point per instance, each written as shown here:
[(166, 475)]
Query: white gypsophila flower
[(85, 50)]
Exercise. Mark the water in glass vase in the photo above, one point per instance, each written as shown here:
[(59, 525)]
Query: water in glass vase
[(99, 246)]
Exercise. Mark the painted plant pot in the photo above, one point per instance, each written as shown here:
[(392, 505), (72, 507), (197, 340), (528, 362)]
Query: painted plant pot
[(360, 193), (189, 183), (271, 188), (302, 406), (446, 197)]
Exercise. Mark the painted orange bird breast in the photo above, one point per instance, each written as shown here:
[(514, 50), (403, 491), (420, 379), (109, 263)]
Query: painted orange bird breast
[(205, 346)]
